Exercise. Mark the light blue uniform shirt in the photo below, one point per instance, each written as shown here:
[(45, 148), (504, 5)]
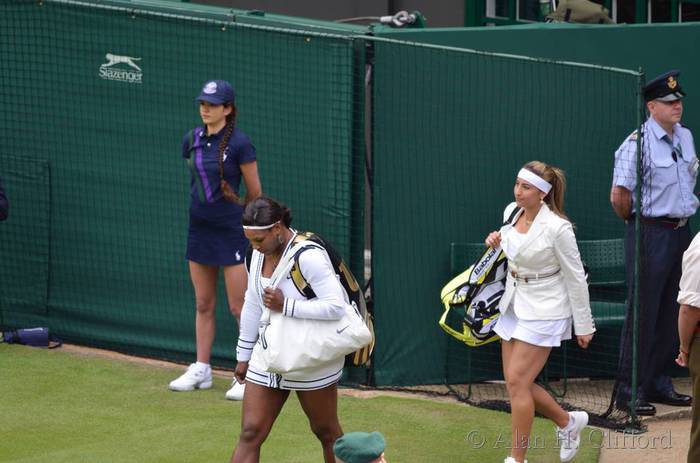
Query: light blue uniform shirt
[(668, 185)]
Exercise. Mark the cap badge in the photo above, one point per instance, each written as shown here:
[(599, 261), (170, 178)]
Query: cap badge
[(210, 88), (672, 83)]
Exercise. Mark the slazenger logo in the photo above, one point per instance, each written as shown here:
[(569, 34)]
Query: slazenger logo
[(121, 68)]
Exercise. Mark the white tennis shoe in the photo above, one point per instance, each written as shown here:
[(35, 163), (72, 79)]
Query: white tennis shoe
[(236, 392), (570, 438), (196, 377), (512, 460)]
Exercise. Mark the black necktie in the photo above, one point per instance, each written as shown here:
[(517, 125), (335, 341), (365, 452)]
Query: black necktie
[(675, 150)]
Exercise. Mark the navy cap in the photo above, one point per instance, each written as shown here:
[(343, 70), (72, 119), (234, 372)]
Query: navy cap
[(217, 92), (359, 447), (664, 87)]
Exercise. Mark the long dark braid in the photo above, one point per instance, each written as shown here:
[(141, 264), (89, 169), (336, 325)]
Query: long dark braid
[(226, 189)]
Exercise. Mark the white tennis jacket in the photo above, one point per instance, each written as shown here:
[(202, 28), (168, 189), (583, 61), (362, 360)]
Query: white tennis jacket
[(546, 280)]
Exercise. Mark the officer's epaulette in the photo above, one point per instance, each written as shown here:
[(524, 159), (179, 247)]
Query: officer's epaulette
[(633, 136)]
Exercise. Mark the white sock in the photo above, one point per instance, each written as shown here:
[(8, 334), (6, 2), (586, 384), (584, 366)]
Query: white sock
[(570, 424), (203, 366)]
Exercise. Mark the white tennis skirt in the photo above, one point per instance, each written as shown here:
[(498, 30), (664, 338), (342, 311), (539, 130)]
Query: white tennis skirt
[(308, 380), (544, 333)]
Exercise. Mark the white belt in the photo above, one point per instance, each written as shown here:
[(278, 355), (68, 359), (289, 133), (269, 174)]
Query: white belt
[(534, 276)]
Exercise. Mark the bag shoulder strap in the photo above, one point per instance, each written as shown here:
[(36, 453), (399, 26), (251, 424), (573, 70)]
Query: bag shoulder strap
[(346, 278), (299, 280), (512, 215)]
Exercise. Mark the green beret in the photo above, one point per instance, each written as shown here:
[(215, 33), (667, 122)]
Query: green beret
[(359, 447)]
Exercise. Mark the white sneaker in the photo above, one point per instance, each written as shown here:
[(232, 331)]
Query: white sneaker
[(512, 460), (195, 377), (236, 392), (570, 438)]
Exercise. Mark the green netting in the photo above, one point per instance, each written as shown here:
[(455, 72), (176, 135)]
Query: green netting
[(24, 239), (667, 46), (110, 134), (91, 162), (449, 136)]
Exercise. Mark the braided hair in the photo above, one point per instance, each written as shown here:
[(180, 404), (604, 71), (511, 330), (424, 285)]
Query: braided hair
[(226, 189)]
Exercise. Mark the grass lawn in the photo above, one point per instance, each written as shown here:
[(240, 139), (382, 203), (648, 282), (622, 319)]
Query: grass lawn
[(62, 407)]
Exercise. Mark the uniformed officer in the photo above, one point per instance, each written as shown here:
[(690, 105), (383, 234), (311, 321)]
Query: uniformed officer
[(669, 169)]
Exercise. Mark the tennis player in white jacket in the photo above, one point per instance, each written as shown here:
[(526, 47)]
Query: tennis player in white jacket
[(546, 292)]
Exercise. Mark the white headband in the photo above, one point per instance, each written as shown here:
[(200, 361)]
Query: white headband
[(260, 227), (541, 184)]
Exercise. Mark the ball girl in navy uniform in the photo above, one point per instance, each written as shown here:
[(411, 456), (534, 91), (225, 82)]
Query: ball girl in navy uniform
[(218, 155)]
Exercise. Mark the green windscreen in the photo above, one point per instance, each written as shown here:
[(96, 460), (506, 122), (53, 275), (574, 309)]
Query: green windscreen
[(25, 239), (449, 138), (100, 96)]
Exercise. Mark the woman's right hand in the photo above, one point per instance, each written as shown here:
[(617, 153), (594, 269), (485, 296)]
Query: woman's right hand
[(584, 340), (494, 239), (241, 371)]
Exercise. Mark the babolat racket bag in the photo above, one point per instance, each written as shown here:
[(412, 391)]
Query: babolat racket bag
[(471, 299)]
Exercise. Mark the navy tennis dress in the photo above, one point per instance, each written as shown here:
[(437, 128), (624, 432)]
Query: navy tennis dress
[(215, 234)]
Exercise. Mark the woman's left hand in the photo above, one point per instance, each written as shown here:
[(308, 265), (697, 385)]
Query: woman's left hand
[(584, 340), (273, 299)]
